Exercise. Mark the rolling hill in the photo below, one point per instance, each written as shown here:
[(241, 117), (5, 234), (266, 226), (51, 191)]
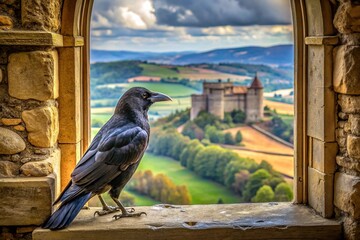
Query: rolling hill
[(275, 55)]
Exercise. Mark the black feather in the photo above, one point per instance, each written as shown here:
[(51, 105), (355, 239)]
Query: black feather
[(111, 158)]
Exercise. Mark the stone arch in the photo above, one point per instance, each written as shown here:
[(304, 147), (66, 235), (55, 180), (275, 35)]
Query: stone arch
[(314, 43)]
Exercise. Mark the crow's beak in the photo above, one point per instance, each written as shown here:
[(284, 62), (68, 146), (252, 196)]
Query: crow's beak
[(159, 97)]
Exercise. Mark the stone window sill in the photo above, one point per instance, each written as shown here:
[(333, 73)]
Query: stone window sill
[(210, 222)]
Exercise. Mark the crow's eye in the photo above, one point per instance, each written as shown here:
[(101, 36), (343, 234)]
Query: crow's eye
[(145, 95)]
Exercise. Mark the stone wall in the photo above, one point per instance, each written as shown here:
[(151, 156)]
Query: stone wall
[(346, 81), (29, 118)]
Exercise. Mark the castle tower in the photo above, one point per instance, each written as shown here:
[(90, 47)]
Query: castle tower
[(254, 101)]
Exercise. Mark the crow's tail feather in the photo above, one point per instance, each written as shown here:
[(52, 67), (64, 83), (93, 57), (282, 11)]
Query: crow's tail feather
[(62, 217)]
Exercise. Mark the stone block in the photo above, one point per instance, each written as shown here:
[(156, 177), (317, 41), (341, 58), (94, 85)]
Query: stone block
[(351, 229), (10, 142), (36, 169), (348, 163), (33, 75), (321, 98), (324, 155), (320, 192), (316, 25), (11, 121), (347, 18), (43, 126), (41, 15), (19, 128), (25, 201), (349, 104), (353, 146), (9, 169), (321, 117), (343, 116), (6, 23), (42, 168), (70, 105), (347, 194), (354, 122), (70, 155), (346, 69)]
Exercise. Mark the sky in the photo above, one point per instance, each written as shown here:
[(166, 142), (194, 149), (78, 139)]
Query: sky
[(189, 25)]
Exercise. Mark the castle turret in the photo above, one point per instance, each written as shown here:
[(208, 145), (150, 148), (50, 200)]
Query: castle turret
[(254, 101)]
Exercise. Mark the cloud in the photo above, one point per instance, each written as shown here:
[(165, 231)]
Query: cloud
[(205, 13), (169, 25), (132, 14)]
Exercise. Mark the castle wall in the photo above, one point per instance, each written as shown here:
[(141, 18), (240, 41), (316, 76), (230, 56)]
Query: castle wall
[(198, 104), (216, 103), (254, 105), (237, 102)]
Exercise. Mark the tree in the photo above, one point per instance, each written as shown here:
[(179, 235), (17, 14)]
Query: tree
[(189, 151), (234, 166), (228, 139), (238, 116), (241, 179), (193, 131), (205, 118), (206, 161), (283, 192), (227, 118), (264, 194), (238, 137), (255, 182), (214, 135)]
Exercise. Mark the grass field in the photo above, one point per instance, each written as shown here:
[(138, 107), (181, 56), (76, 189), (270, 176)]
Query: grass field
[(202, 191), (163, 71), (281, 108), (171, 89)]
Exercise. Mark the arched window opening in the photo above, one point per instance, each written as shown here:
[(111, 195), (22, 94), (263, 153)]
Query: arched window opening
[(237, 146)]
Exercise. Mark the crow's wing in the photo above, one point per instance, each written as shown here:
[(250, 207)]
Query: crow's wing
[(113, 154)]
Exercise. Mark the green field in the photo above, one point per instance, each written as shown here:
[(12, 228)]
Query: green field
[(155, 70), (202, 191), (171, 89)]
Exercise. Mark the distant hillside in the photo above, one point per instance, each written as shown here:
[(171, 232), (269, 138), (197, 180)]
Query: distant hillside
[(275, 55), (273, 78), (110, 56)]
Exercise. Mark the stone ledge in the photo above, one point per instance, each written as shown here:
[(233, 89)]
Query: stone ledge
[(211, 222), (26, 200), (322, 40), (39, 38)]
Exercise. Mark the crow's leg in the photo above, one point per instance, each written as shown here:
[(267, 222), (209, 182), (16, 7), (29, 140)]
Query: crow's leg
[(106, 209), (124, 212)]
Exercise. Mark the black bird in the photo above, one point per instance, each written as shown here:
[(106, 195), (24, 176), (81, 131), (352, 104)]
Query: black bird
[(111, 159)]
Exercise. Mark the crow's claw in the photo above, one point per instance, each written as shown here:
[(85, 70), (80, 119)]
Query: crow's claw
[(129, 214), (131, 210), (107, 210)]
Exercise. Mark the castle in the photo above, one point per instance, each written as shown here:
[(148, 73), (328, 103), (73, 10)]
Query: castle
[(220, 97)]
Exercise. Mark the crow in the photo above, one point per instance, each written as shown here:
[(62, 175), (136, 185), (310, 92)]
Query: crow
[(110, 161)]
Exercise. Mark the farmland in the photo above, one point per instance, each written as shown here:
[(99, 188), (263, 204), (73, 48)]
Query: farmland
[(202, 191), (254, 140), (281, 108)]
